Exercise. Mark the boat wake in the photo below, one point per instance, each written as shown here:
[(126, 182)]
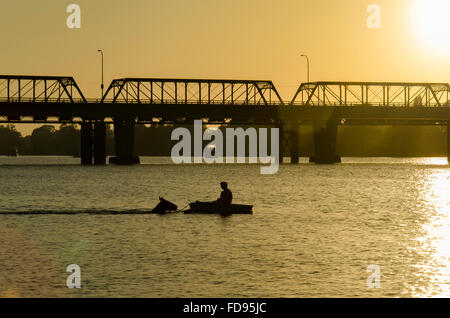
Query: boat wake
[(78, 212)]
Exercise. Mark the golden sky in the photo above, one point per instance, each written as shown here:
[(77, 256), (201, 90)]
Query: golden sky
[(230, 39)]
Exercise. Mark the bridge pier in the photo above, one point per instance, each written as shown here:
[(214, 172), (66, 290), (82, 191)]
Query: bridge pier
[(86, 143), (325, 139), (281, 142), (295, 140), (448, 141), (124, 129), (99, 143)]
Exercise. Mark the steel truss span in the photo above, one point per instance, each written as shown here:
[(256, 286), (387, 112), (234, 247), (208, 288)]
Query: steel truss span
[(192, 91), (373, 94), (47, 89), (159, 91)]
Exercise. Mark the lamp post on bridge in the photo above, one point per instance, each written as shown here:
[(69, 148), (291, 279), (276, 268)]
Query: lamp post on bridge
[(102, 86), (307, 59)]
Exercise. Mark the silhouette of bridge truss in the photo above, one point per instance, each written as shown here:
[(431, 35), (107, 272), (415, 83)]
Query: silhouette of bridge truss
[(16, 88), (372, 94), (192, 91), (64, 89)]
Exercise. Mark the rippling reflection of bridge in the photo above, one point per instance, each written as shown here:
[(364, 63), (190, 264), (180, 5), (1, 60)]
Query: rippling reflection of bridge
[(324, 105)]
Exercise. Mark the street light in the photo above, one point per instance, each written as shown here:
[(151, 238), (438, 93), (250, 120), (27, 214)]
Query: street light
[(307, 59), (102, 86)]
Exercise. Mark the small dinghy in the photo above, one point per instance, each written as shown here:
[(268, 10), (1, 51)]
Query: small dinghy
[(214, 208)]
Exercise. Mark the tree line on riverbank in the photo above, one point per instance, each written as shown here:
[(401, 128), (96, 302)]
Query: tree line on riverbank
[(65, 140), (155, 140)]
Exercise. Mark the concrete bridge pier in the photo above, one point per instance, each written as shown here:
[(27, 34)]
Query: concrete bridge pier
[(281, 142), (124, 129), (448, 141), (295, 142), (325, 139), (99, 143), (86, 143)]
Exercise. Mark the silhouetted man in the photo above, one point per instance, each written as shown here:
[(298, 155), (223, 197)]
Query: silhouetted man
[(226, 196)]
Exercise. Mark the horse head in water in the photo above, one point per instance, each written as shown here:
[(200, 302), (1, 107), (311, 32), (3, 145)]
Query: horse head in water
[(164, 206)]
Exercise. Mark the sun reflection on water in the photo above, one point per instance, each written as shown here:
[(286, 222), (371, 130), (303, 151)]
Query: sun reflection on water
[(433, 243)]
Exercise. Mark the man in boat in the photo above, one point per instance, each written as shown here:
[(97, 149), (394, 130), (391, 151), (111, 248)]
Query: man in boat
[(226, 196)]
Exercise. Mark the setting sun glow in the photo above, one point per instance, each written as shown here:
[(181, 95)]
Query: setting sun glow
[(431, 22)]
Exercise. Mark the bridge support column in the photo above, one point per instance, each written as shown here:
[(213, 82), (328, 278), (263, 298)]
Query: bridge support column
[(295, 140), (99, 143), (281, 142), (124, 141), (325, 139), (448, 141), (86, 143)]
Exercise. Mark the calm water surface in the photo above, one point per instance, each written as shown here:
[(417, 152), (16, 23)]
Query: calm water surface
[(314, 232)]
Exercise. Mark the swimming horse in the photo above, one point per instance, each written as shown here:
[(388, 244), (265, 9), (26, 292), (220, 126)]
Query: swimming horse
[(164, 206)]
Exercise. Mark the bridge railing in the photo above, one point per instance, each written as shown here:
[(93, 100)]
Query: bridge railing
[(356, 104), (48, 100), (192, 102), (203, 102)]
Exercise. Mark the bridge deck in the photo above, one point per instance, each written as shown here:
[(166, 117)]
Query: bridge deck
[(215, 113)]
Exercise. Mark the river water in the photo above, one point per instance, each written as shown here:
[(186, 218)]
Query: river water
[(314, 232)]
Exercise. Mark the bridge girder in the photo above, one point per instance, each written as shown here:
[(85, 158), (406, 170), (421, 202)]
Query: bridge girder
[(192, 91), (373, 94), (20, 88)]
